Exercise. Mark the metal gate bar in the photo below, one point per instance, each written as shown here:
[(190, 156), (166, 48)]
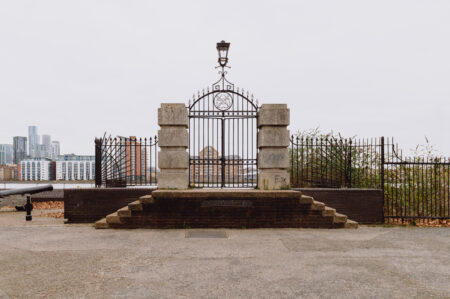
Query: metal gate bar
[(223, 138)]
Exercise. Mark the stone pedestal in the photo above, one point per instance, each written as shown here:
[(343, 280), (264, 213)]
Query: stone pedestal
[(173, 140), (273, 143)]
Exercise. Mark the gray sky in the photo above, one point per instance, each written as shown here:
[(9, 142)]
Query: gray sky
[(367, 68)]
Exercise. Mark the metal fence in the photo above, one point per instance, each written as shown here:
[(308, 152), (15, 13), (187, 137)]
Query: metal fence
[(415, 188), (126, 161), (335, 163)]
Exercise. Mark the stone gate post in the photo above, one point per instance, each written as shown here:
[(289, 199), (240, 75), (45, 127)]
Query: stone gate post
[(173, 139), (273, 144)]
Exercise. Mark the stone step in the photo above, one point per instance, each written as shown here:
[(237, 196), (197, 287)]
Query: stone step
[(306, 199), (101, 224), (146, 199), (124, 212), (317, 206), (135, 206), (340, 218), (351, 224), (328, 211), (113, 218), (182, 207)]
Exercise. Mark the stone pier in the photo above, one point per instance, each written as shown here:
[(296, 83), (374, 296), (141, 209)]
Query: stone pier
[(273, 143), (173, 139)]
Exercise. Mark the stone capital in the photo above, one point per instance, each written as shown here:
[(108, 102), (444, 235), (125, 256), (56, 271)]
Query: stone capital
[(273, 115), (173, 115)]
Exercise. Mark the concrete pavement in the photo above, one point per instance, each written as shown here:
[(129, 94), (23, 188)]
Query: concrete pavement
[(48, 259)]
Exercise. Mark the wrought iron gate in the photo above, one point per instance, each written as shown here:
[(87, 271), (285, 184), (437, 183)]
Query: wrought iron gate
[(223, 137)]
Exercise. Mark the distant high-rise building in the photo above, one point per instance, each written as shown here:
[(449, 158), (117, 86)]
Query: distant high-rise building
[(36, 170), (19, 149), (33, 139), (56, 150), (6, 154), (75, 167), (46, 147)]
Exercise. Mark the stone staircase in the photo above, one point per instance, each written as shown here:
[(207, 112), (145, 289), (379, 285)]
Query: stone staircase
[(225, 209)]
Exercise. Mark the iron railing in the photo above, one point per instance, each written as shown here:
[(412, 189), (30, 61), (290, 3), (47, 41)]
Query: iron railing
[(415, 188), (126, 161), (335, 163)]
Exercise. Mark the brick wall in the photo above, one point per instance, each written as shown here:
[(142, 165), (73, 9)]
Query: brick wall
[(362, 205), (90, 205)]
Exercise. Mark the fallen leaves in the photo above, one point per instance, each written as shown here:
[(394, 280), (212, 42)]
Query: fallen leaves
[(54, 215), (422, 222), (48, 205)]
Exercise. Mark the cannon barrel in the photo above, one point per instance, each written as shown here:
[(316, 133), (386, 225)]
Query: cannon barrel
[(29, 190)]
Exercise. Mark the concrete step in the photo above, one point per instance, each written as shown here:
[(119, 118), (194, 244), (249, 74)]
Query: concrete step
[(135, 206), (328, 211), (101, 224), (351, 224), (124, 212), (340, 218)]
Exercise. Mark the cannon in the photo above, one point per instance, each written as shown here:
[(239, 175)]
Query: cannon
[(28, 192)]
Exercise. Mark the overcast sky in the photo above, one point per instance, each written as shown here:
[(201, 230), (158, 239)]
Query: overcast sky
[(368, 68)]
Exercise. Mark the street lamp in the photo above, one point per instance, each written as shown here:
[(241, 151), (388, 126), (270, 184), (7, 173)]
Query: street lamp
[(223, 48)]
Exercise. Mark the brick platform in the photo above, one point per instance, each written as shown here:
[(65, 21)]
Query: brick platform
[(225, 209)]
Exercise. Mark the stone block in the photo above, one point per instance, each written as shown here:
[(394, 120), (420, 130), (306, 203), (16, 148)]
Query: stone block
[(351, 224), (273, 115), (306, 199), (328, 211), (173, 179), (113, 218), (173, 115), (317, 206), (146, 199), (273, 158), (173, 159), (340, 218), (124, 212), (135, 206), (273, 179), (173, 136), (101, 224), (271, 136)]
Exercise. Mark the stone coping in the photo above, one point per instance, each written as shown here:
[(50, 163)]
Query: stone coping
[(225, 193)]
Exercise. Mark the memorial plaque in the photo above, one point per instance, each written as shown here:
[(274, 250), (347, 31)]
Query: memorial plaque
[(227, 203)]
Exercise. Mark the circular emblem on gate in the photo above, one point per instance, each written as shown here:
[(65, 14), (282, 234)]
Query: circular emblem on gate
[(223, 101)]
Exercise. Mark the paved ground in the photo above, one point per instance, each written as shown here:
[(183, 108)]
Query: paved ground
[(48, 259)]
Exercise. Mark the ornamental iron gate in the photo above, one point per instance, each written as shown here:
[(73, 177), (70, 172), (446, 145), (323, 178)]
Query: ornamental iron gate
[(223, 137)]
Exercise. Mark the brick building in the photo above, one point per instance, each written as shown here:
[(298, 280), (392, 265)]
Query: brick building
[(207, 166)]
